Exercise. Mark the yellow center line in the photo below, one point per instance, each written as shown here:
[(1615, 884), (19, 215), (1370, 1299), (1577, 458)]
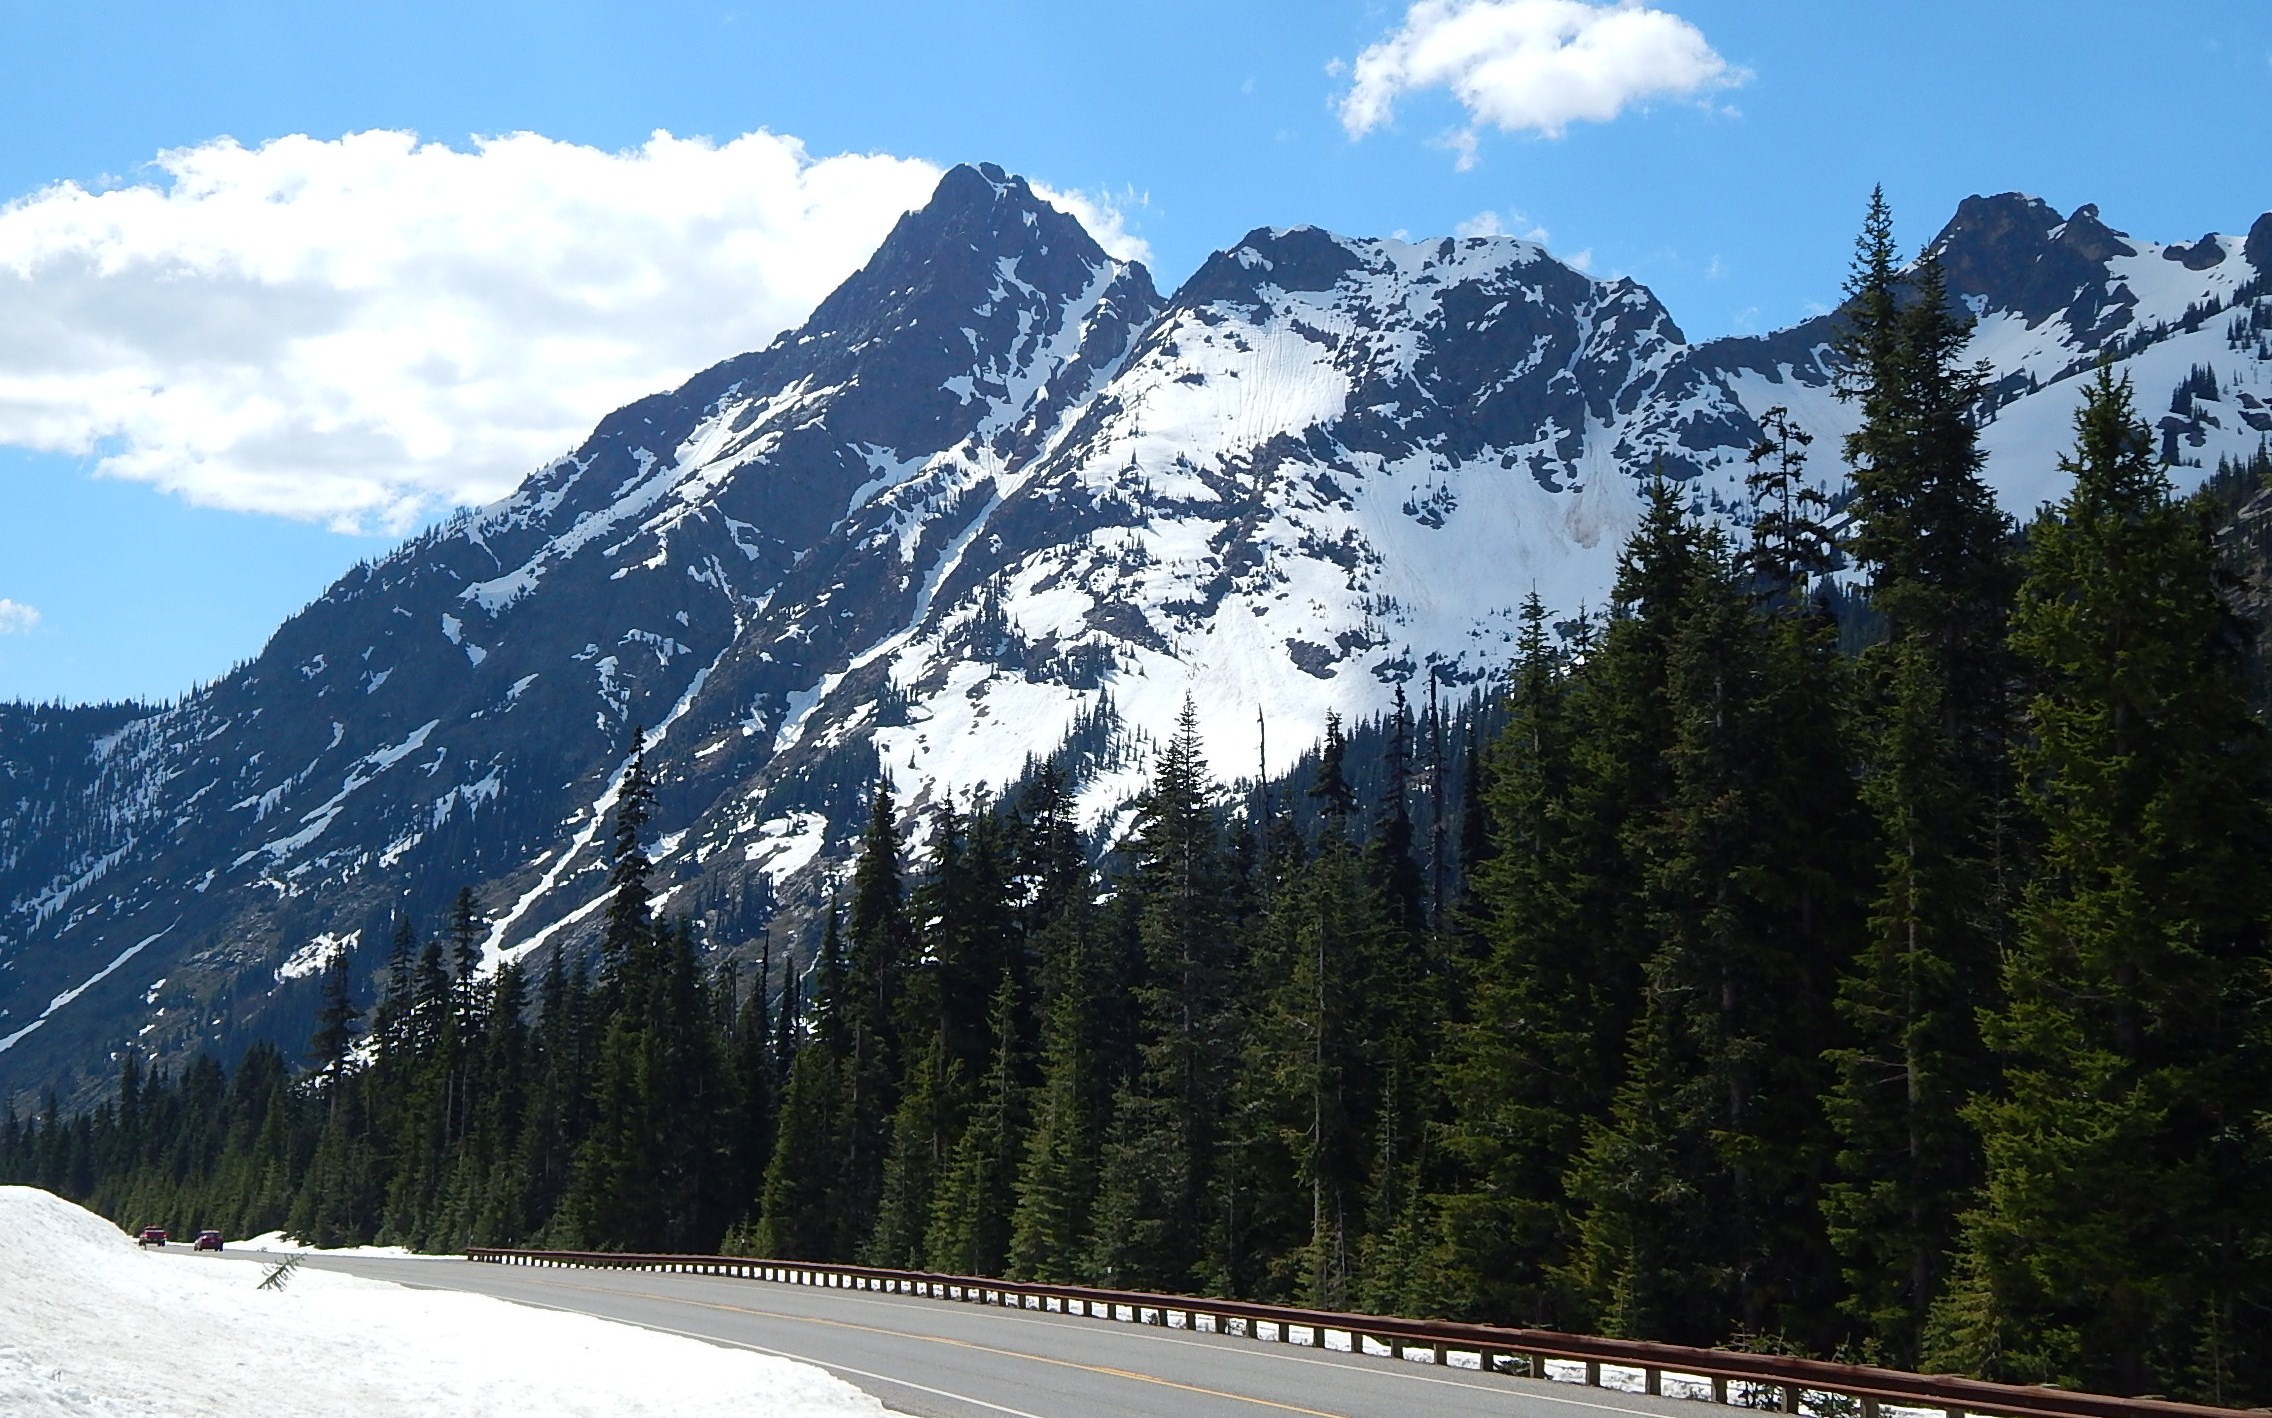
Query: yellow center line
[(1101, 1369)]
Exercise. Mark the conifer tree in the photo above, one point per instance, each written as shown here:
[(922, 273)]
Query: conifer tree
[(1313, 1082), (1577, 776), (971, 1217), (497, 1211), (1057, 1174), (1403, 968), (628, 918), (1937, 783), (2115, 1242), (1057, 1168), (390, 1018), (558, 1091), (1701, 1215), (880, 952), (335, 1022), (1791, 540), (1155, 1218), (803, 1212), (466, 923), (923, 1129), (757, 1088)]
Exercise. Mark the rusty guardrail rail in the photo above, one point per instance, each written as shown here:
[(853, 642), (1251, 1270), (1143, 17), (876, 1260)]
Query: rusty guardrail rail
[(1782, 1380)]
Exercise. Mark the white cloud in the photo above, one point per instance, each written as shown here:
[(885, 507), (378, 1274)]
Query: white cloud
[(1104, 215), (1488, 223), (16, 618), (1532, 65), (361, 330)]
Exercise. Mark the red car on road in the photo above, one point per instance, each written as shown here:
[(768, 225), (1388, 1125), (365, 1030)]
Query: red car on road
[(207, 1241), (151, 1236)]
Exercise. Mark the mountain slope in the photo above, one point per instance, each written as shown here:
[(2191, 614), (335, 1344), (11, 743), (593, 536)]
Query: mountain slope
[(993, 499)]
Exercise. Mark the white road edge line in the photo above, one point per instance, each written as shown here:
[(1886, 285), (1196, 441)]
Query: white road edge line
[(781, 1354)]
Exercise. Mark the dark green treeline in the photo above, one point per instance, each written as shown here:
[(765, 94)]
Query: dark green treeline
[(1873, 975)]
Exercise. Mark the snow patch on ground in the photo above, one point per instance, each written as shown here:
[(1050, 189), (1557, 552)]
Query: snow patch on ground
[(91, 1327), (787, 845), (277, 1243), (309, 959)]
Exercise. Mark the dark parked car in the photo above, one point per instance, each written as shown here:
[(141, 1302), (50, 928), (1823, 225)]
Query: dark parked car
[(207, 1241), (151, 1236)]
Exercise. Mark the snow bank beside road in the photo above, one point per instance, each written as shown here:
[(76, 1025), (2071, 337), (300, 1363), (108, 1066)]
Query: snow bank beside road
[(280, 1244), (91, 1327)]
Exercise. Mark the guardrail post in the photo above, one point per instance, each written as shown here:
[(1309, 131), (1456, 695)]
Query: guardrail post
[(1653, 1382), (1869, 1407), (1790, 1398), (1719, 1389), (1593, 1373)]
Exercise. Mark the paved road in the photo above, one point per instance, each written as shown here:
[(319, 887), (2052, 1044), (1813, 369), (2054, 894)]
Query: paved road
[(949, 1359)]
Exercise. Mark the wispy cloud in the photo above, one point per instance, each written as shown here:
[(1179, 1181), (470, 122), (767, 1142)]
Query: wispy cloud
[(1490, 223), (358, 331), (1104, 214), (16, 618), (1532, 65)]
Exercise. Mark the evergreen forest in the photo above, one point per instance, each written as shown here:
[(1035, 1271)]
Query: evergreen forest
[(1855, 939)]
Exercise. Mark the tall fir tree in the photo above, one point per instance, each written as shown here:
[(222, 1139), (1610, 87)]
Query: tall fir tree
[(878, 965), (803, 1208), (336, 1018), (1057, 1170), (1309, 1080), (2117, 1241), (628, 917), (1701, 1216), (1157, 1221), (757, 1088), (973, 1207), (1578, 776), (1937, 782)]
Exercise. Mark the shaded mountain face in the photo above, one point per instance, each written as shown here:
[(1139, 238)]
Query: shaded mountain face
[(995, 500)]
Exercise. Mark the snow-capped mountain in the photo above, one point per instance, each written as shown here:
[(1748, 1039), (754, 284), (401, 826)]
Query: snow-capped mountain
[(994, 499)]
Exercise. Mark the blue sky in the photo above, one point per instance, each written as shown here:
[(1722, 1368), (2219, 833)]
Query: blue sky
[(159, 529)]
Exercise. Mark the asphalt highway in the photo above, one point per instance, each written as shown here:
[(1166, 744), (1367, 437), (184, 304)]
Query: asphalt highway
[(952, 1359)]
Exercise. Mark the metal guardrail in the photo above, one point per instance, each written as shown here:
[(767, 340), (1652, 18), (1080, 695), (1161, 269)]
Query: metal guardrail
[(1782, 1381)]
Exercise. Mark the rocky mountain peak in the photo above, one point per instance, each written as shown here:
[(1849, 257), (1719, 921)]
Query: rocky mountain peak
[(981, 230), (2258, 247), (2020, 251)]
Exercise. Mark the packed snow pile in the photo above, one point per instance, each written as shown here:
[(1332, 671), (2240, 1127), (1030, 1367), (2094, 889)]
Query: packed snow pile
[(278, 1243), (89, 1325)]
